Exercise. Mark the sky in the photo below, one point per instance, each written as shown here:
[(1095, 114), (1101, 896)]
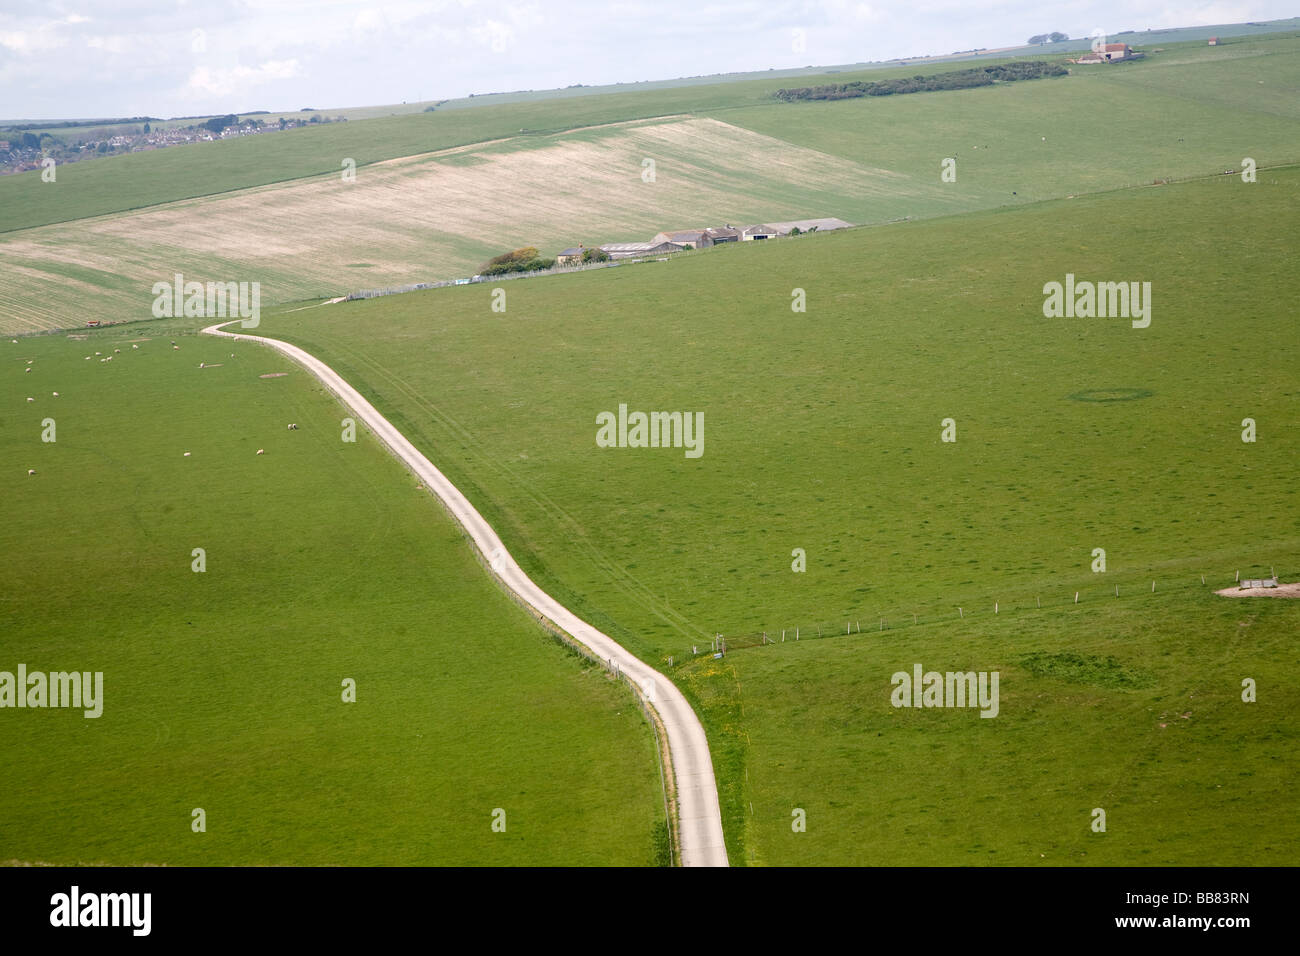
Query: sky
[(110, 58)]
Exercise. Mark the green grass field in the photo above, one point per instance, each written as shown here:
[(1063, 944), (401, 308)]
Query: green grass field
[(823, 433), (223, 689)]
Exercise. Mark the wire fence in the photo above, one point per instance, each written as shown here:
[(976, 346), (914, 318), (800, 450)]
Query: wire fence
[(1130, 589)]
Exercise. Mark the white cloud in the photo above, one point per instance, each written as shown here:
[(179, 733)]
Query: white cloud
[(240, 79), (109, 44)]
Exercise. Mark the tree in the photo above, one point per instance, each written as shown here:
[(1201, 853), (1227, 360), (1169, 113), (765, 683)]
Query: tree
[(796, 231), (147, 129), (218, 123), (31, 141), (524, 254), (1037, 39), (595, 255), (1058, 38)]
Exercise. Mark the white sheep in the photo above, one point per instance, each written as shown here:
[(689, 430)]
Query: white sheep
[(135, 346), (293, 428), (187, 454), (176, 348), (117, 350), (30, 399), (261, 451), (31, 471), (99, 353), (56, 394)]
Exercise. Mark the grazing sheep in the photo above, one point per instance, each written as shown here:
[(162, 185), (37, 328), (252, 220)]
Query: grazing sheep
[(135, 346), (293, 428), (261, 451), (99, 353), (117, 350), (14, 341), (87, 358), (30, 399), (176, 348), (31, 471), (56, 394), (27, 369), (187, 454), (201, 365)]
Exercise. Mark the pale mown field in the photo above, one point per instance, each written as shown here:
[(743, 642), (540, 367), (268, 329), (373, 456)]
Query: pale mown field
[(435, 216)]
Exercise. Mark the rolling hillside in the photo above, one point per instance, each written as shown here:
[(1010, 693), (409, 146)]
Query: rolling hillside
[(441, 212)]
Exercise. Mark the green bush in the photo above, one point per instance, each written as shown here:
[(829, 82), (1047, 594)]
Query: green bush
[(524, 254), (535, 264)]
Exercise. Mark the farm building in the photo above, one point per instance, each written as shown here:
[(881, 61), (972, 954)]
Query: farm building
[(570, 257), (1110, 53), (625, 250), (1214, 41), (752, 233), (723, 234), (806, 225), (694, 238)]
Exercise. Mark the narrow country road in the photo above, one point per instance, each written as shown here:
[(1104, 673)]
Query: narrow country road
[(698, 814)]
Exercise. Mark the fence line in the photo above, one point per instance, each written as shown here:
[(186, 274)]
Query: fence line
[(921, 616), (508, 276)]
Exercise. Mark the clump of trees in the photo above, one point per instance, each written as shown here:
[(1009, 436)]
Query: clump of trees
[(1048, 38), (525, 259), (956, 80), (218, 123), (594, 255)]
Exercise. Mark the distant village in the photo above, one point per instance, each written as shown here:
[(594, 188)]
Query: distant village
[(21, 150)]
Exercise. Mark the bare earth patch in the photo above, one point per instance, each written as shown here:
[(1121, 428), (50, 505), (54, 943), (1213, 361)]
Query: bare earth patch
[(273, 375), (1289, 590)]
